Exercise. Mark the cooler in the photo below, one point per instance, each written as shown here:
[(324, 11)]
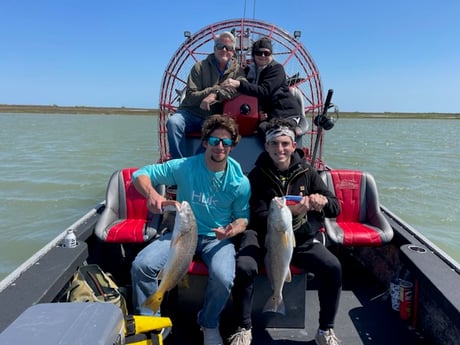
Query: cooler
[(67, 324)]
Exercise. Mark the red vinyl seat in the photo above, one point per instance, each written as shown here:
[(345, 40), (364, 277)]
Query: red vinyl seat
[(199, 268), (360, 222), (125, 218)]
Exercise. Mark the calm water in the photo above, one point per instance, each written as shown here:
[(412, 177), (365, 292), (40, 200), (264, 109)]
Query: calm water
[(54, 168)]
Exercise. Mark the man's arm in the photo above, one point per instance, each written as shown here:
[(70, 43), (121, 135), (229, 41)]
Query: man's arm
[(199, 88), (144, 186)]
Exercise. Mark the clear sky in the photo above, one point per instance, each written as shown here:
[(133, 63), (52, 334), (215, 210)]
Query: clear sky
[(388, 55)]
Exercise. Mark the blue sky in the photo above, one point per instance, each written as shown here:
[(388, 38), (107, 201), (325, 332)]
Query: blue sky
[(393, 55)]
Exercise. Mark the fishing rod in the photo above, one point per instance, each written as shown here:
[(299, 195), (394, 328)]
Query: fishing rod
[(322, 121)]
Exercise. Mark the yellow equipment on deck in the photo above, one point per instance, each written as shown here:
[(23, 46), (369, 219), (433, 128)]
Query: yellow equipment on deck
[(146, 330)]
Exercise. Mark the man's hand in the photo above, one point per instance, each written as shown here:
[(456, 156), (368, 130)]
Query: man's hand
[(155, 203), (208, 101), (220, 232), (232, 229), (302, 207), (317, 202), (154, 200), (230, 84)]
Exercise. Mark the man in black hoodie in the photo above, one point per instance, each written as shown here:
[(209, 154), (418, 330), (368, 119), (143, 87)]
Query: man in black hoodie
[(282, 170)]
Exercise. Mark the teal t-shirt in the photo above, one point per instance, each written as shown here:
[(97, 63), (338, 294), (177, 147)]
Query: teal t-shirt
[(215, 198)]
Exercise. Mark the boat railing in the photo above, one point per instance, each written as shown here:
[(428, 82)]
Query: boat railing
[(57, 241)]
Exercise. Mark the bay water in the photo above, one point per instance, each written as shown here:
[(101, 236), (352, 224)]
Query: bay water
[(55, 168)]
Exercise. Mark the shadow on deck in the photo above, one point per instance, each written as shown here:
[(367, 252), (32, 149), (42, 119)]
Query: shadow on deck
[(365, 317)]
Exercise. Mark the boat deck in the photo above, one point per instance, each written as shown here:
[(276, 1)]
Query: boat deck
[(365, 317)]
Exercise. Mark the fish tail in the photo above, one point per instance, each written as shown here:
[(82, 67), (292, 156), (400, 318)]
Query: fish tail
[(154, 302), (275, 304)]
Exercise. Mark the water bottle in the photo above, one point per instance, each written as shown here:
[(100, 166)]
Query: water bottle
[(70, 240)]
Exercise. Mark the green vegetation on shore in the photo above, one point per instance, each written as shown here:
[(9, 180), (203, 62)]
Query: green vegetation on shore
[(54, 109), (394, 115)]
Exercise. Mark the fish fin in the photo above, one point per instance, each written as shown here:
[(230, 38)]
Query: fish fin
[(275, 304), (176, 239), (285, 240), (160, 274), (185, 282), (288, 276)]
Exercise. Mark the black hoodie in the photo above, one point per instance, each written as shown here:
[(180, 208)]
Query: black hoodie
[(300, 179)]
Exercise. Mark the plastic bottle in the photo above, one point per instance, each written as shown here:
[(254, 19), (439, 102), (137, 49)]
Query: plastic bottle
[(70, 240)]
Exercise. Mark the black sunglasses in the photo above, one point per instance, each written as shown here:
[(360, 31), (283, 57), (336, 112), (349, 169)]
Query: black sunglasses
[(221, 46), (262, 52), (214, 141)]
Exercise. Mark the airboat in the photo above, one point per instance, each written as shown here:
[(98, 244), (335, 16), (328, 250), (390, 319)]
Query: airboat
[(398, 287)]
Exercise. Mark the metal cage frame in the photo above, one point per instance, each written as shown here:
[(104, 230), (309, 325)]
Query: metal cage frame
[(288, 50)]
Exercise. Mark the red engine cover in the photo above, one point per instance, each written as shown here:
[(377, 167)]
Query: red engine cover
[(244, 110)]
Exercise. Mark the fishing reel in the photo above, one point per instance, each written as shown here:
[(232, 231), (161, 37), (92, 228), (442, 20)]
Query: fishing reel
[(328, 120)]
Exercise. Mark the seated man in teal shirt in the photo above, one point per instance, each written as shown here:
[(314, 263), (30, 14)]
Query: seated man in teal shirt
[(218, 192)]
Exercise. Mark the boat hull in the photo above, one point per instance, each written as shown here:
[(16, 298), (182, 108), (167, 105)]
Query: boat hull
[(365, 304)]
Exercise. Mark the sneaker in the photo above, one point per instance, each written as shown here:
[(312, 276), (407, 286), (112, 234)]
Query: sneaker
[(211, 336), (327, 337), (242, 336)]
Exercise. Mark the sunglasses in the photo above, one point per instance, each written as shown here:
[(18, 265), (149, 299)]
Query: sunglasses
[(264, 53), (220, 46), (214, 141)]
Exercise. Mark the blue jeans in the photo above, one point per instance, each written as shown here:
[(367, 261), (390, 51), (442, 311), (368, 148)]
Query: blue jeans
[(177, 125), (219, 256)]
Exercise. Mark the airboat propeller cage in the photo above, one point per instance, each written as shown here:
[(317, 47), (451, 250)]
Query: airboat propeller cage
[(287, 50)]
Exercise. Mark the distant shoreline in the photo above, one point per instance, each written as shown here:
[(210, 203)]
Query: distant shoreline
[(54, 109)]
